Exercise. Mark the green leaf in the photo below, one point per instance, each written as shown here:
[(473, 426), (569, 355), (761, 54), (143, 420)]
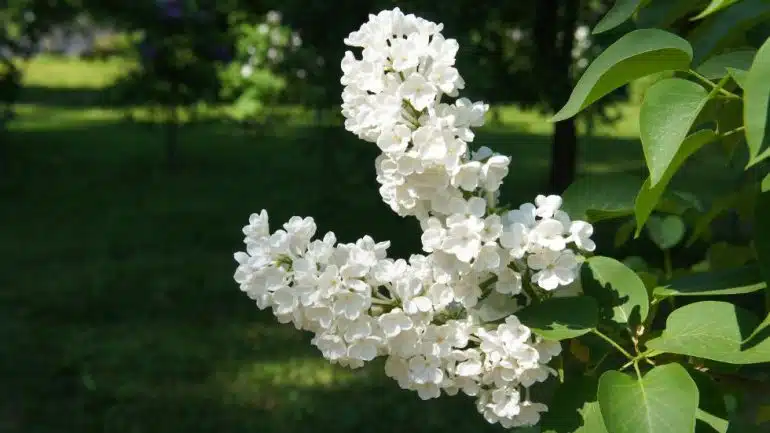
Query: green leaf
[(736, 281), (663, 13), (592, 419), (617, 15), (667, 113), (739, 76), (666, 232), (719, 425), (759, 329), (712, 330), (712, 410), (594, 198), (766, 183), (756, 106), (664, 400), (717, 67), (614, 284), (723, 256), (574, 408), (762, 234), (714, 6), (561, 318), (649, 196), (719, 32), (635, 55)]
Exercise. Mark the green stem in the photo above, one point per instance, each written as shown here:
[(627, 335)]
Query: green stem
[(487, 287), (593, 369), (733, 131), (714, 86), (636, 368), (613, 343), (531, 293)]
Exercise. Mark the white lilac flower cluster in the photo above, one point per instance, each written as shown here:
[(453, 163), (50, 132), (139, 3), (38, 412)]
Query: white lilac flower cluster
[(361, 304), (392, 97), (425, 314)]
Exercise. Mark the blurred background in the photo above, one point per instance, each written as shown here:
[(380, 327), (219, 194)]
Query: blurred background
[(136, 137)]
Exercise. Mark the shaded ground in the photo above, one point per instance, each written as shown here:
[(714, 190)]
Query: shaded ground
[(118, 312)]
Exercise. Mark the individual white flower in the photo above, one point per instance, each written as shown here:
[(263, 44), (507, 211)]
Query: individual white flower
[(433, 235), (515, 238), (508, 282), (409, 291), (364, 349), (553, 268), (493, 228), (258, 225), (285, 300), (494, 171), (405, 344), (463, 237), (393, 322), (446, 78), (350, 304), (529, 413), (469, 362), (394, 139), (425, 369), (580, 234), (466, 176), (331, 346), (418, 91), (547, 205), (441, 295), (548, 234), (525, 214)]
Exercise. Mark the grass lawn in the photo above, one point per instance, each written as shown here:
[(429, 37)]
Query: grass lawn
[(118, 312)]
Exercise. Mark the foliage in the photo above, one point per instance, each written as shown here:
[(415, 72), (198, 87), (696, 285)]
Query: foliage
[(711, 91), (179, 45), (270, 67), (24, 21)]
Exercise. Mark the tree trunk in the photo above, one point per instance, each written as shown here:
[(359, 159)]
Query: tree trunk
[(563, 156), (554, 33)]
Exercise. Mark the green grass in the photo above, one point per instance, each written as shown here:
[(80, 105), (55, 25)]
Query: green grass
[(118, 312)]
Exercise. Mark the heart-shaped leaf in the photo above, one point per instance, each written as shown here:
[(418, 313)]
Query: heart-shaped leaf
[(666, 232), (735, 281), (664, 400), (617, 15), (712, 330), (561, 318), (649, 196), (756, 106), (614, 284), (637, 54), (666, 116)]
